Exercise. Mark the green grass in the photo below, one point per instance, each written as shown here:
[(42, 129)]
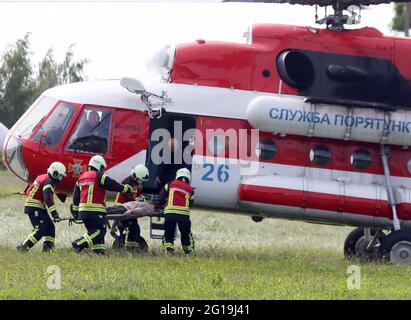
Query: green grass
[(236, 259), (276, 273)]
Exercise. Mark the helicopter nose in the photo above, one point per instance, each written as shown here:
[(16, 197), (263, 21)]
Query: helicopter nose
[(13, 157)]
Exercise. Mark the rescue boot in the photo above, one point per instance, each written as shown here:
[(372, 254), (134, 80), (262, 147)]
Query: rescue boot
[(76, 247), (23, 247), (99, 252), (48, 247)]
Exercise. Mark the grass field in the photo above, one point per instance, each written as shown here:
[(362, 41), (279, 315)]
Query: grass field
[(236, 259)]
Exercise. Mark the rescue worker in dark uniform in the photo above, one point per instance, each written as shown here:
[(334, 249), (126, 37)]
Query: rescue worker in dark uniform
[(89, 198), (129, 229), (39, 204), (180, 196)]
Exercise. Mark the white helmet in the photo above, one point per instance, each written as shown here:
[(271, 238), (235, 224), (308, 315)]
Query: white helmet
[(98, 163), (57, 171), (140, 172), (183, 173)]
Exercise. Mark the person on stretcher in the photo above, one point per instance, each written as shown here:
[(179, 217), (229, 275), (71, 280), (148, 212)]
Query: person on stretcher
[(132, 209)]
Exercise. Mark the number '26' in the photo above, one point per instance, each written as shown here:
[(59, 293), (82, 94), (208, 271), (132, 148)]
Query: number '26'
[(222, 172)]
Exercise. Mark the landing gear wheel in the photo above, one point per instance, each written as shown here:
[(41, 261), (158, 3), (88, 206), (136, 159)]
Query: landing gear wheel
[(355, 245), (396, 247)]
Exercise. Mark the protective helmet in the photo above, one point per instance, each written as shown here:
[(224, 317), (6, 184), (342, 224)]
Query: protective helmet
[(183, 173), (57, 171), (140, 172), (98, 163)]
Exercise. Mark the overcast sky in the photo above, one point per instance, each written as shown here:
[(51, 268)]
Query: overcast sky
[(119, 37)]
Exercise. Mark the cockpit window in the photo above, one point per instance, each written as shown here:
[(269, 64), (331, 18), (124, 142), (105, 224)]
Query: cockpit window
[(34, 116), (52, 130), (92, 132)]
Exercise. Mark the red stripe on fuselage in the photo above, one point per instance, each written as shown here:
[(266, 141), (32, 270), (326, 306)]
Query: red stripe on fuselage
[(315, 200), (294, 150)]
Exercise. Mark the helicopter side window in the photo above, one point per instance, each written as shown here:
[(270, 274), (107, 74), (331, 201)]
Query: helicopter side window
[(32, 118), (320, 155), (266, 149), (361, 159), (52, 130), (92, 132)]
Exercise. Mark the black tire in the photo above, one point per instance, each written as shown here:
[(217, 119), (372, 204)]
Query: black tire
[(352, 242), (391, 242)]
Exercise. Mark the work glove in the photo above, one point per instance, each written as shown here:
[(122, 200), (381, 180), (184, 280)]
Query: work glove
[(127, 188), (56, 217)]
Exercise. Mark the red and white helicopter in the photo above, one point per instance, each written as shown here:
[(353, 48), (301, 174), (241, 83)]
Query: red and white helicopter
[(301, 123)]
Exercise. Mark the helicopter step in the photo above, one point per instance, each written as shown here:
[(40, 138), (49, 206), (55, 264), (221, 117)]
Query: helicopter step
[(157, 227)]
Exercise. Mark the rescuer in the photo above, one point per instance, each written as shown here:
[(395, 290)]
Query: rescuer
[(39, 204), (129, 229), (89, 204), (180, 196)]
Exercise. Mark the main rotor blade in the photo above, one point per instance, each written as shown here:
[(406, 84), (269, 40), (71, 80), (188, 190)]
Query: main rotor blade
[(344, 3)]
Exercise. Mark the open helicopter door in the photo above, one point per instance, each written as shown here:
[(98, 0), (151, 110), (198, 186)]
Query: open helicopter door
[(170, 148)]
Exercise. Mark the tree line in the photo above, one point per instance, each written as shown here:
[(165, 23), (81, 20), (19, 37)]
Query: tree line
[(21, 82)]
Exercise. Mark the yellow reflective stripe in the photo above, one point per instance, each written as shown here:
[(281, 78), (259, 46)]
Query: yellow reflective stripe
[(95, 234), (117, 197), (48, 186), (168, 245), (178, 208), (80, 242), (90, 194), (75, 208), (88, 239), (33, 191), (32, 239), (92, 207), (187, 201), (51, 209), (177, 211), (48, 239), (103, 179), (31, 236), (99, 247), (35, 204), (170, 198)]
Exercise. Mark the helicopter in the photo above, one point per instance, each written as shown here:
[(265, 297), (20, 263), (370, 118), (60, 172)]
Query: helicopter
[(301, 123)]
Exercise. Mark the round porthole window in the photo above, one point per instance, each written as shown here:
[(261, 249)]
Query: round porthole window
[(361, 159), (409, 166), (266, 149), (320, 155)]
